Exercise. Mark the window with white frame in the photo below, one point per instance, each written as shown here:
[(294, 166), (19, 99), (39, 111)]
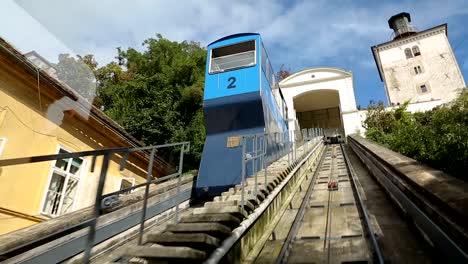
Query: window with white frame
[(235, 56), (2, 145), (63, 185)]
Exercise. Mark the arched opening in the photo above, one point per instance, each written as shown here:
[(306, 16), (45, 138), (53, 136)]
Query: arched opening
[(319, 108)]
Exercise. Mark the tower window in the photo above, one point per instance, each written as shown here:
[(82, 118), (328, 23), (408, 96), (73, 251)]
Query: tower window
[(423, 88), (417, 70), (416, 51), (408, 53)]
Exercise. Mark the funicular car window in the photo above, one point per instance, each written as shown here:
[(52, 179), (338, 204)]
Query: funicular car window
[(233, 56)]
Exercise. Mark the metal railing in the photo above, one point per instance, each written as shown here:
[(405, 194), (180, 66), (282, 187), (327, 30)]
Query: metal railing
[(262, 149), (104, 201)]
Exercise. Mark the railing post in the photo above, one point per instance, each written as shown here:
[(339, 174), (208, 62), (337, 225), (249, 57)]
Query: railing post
[(315, 134), (285, 139), (181, 163), (244, 142), (254, 167), (264, 158), (289, 147), (145, 198), (97, 208), (276, 146), (295, 147)]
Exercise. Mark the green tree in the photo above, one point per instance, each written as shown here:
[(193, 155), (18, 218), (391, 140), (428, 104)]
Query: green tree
[(438, 138), (157, 94)]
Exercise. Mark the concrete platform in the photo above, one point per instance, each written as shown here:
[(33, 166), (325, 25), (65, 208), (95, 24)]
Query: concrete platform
[(335, 251)]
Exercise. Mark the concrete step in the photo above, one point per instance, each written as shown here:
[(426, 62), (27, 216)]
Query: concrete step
[(224, 219), (217, 230), (233, 210), (249, 190), (270, 187), (261, 192), (247, 204), (261, 180), (157, 253), (255, 200), (200, 241)]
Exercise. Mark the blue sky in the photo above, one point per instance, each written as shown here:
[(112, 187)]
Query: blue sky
[(298, 34)]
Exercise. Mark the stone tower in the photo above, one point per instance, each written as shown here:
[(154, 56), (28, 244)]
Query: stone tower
[(418, 66)]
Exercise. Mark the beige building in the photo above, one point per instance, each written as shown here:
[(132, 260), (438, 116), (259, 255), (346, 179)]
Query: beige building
[(418, 66), (40, 115)]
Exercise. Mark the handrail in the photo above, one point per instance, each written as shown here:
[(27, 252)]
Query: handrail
[(99, 152), (103, 201), (240, 231), (286, 144)]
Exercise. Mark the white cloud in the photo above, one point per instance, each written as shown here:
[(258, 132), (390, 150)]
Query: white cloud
[(23, 31), (304, 34)]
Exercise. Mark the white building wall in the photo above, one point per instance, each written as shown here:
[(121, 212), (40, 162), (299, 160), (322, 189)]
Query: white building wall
[(323, 79), (440, 71)]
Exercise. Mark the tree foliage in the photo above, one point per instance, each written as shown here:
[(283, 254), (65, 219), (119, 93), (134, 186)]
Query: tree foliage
[(157, 94), (438, 138), (78, 74), (283, 73)]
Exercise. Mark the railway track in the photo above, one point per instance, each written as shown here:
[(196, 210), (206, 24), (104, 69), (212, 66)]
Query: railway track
[(297, 216), (331, 224)]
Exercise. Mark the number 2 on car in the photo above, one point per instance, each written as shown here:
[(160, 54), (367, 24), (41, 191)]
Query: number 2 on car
[(231, 82)]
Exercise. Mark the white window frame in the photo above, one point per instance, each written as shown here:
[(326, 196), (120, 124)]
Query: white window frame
[(78, 177), (3, 141), (235, 68)]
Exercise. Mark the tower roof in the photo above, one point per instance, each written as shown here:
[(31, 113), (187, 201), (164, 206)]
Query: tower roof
[(397, 16)]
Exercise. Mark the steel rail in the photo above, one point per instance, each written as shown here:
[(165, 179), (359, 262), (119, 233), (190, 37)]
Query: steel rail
[(299, 216), (328, 224), (362, 208)]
